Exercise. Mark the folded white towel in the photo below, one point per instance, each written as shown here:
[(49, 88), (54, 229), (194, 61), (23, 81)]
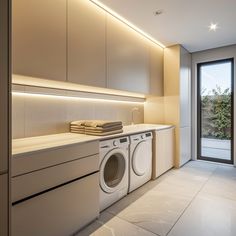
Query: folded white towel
[(78, 122), (96, 127), (77, 127), (77, 132), (102, 123), (104, 133), (100, 129)]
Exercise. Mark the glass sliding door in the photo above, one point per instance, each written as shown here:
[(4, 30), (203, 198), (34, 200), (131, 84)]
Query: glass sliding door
[(215, 110)]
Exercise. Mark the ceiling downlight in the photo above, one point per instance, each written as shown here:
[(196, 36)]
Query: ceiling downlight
[(213, 27)]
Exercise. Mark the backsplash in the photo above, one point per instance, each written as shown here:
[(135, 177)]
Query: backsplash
[(33, 116)]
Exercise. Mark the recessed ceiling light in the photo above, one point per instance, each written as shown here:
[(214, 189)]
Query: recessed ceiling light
[(213, 27), (158, 12)]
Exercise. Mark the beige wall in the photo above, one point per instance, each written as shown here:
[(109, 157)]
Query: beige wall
[(154, 110), (204, 56), (33, 116)]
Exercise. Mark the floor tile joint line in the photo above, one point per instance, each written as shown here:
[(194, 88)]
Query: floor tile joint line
[(133, 224), (192, 200)]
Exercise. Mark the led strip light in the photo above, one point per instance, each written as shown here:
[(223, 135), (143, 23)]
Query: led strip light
[(39, 95), (119, 17)]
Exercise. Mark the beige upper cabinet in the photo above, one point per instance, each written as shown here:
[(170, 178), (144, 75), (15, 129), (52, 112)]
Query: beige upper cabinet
[(39, 38), (156, 70), (127, 58), (86, 43), (78, 42)]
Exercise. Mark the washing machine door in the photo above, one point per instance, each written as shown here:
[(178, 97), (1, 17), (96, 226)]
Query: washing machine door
[(140, 159), (112, 170)]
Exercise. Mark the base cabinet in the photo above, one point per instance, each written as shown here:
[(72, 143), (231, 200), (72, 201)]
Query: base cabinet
[(163, 151), (59, 212)]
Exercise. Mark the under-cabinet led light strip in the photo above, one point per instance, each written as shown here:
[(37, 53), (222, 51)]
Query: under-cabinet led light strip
[(119, 17), (39, 95)]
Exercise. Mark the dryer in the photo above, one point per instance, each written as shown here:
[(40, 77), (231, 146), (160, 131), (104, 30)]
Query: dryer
[(114, 170), (140, 160)]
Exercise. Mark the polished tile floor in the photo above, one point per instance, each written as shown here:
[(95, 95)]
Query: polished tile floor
[(197, 200)]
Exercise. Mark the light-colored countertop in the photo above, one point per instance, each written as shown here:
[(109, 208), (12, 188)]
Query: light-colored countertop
[(39, 143)]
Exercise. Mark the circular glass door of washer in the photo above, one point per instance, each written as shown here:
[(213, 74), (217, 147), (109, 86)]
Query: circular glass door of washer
[(141, 159), (113, 172)]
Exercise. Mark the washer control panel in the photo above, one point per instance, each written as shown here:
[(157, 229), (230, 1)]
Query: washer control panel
[(118, 142), (140, 137)]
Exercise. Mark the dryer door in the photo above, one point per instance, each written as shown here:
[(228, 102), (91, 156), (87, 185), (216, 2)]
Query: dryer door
[(112, 170), (141, 158)]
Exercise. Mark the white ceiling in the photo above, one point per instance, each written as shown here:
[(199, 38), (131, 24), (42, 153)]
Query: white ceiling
[(183, 21)]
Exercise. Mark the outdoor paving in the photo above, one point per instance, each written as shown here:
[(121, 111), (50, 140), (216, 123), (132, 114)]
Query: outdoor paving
[(216, 148)]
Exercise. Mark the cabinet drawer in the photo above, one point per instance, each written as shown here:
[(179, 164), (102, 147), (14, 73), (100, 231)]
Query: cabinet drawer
[(28, 162), (35, 182), (59, 212)]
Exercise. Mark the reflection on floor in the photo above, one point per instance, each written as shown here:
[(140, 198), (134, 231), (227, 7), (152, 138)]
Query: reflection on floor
[(197, 200)]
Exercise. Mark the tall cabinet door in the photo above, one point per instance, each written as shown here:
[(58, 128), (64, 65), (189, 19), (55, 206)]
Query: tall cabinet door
[(185, 88), (185, 145), (127, 58), (5, 113), (156, 70), (185, 106), (39, 38), (4, 198), (86, 43)]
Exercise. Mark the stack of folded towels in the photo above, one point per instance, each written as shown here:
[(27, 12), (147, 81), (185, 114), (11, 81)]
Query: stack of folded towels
[(96, 127)]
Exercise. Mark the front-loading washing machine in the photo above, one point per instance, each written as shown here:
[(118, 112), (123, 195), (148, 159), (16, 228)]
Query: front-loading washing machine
[(140, 160), (114, 170)]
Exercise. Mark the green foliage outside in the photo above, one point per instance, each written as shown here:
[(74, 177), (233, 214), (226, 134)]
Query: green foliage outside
[(216, 114)]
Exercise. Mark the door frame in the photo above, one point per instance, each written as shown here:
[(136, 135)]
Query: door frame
[(5, 114), (199, 127)]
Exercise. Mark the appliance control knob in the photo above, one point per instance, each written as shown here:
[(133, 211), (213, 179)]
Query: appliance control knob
[(142, 136), (115, 143)]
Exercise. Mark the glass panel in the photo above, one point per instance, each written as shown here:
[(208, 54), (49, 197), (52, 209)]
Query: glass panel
[(215, 93), (114, 170)]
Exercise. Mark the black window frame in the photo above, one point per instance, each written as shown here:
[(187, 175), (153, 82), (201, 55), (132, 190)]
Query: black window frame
[(199, 126)]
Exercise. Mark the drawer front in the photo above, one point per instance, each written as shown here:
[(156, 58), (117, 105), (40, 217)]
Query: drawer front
[(41, 180), (59, 212), (41, 159)]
